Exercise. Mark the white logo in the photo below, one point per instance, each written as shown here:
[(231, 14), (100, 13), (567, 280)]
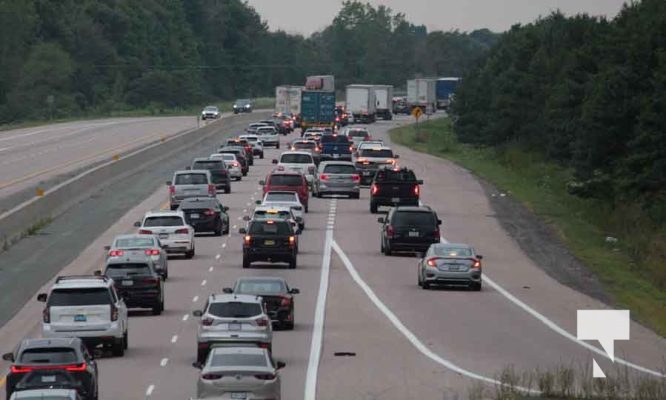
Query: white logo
[(605, 326)]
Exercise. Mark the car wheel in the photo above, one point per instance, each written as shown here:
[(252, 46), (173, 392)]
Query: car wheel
[(246, 262), (118, 348), (227, 189), (126, 340), (173, 207), (387, 250), (425, 285), (157, 310), (373, 208), (289, 326), (261, 156), (190, 254), (244, 174), (292, 263), (277, 146), (476, 286), (201, 356), (306, 208)]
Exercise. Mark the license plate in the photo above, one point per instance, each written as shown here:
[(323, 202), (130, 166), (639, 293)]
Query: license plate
[(413, 234), (395, 200), (336, 155), (454, 267), (194, 216), (269, 242), (367, 173), (80, 318), (164, 235), (48, 378), (127, 283), (234, 327), (239, 395)]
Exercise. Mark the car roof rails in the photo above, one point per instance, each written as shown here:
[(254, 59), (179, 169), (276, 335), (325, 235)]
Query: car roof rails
[(75, 277)]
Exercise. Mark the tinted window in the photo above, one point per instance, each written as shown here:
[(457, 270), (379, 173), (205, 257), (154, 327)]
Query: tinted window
[(208, 164), (279, 215), (127, 269), (163, 221), (266, 228), (296, 159), (252, 139), (285, 180), (191, 179), (443, 251), (261, 287), (390, 175), (241, 360), (189, 205), (413, 219), (334, 139), (79, 297), (281, 196), (305, 145), (357, 133), (50, 355), (135, 242), (387, 153), (339, 169), (235, 309), (266, 131)]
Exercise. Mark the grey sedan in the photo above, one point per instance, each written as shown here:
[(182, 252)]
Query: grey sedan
[(149, 245), (337, 177), (450, 264)]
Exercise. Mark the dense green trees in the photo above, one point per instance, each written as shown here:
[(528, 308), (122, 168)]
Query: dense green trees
[(74, 57)]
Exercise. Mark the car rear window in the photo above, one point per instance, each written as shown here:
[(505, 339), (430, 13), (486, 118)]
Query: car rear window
[(390, 175), (134, 242), (411, 218), (270, 227), (296, 159), (50, 355), (191, 179), (235, 309), (252, 139), (208, 164), (443, 251), (334, 139), (240, 360), (291, 196), (261, 287), (163, 221), (197, 205), (357, 133), (276, 215), (264, 131), (285, 180), (127, 269), (388, 153), (339, 169), (305, 145), (79, 297)]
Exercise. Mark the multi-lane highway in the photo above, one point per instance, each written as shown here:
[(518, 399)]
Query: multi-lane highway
[(401, 342)]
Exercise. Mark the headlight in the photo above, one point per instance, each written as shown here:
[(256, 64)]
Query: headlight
[(247, 106)]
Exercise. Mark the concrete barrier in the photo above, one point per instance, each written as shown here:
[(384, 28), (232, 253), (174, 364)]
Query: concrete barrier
[(15, 222)]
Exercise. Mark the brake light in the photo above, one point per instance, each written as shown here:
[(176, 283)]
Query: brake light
[(151, 280), (351, 148), (152, 252), (417, 190), (374, 189), (19, 370), (211, 377), (172, 189), (145, 232), (116, 253), (323, 177), (432, 262), (263, 345), (46, 315), (265, 377), (262, 322), (183, 231), (292, 241), (203, 346), (356, 178), (247, 239), (286, 301), (235, 164), (209, 212), (390, 231), (207, 322), (76, 367), (114, 313), (362, 160), (436, 234), (476, 264), (211, 189)]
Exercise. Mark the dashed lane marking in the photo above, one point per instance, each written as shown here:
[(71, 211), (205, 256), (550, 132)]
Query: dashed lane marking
[(185, 317), (210, 269), (217, 257), (174, 338), (195, 299), (164, 362), (203, 283), (150, 390)]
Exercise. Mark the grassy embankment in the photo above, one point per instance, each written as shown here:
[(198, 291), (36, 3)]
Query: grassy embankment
[(631, 269)]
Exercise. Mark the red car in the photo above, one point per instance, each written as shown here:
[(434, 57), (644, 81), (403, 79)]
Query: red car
[(290, 181)]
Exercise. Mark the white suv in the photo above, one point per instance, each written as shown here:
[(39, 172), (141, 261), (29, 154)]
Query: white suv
[(171, 228), (299, 161), (87, 307)]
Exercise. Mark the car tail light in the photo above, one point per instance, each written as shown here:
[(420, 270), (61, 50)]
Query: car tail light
[(114, 313), (265, 377), (432, 262), (19, 370), (145, 232), (209, 212), (151, 280), (235, 164), (390, 161), (351, 148), (286, 301), (292, 241), (116, 253), (323, 177), (76, 367), (203, 346), (207, 322), (46, 315), (152, 252), (247, 239), (436, 234), (374, 189), (183, 231), (311, 169), (417, 190), (390, 231), (211, 189), (172, 189), (263, 345), (211, 377), (356, 178), (476, 264), (262, 322)]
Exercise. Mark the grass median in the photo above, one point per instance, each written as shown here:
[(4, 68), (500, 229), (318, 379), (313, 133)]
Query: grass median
[(589, 228)]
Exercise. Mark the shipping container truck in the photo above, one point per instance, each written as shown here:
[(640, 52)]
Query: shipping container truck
[(362, 103), (422, 93), (384, 96), (446, 88), (317, 109)]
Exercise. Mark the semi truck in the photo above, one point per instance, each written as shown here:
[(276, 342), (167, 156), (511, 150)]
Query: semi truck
[(317, 109), (324, 83), (384, 96), (362, 103), (446, 88), (288, 99), (422, 93)]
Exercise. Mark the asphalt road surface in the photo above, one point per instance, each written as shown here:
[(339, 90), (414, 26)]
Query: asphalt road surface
[(402, 342)]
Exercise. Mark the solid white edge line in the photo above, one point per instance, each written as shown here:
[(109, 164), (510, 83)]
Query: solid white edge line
[(406, 332)]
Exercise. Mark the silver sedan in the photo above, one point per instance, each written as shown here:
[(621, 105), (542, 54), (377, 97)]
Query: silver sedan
[(148, 245), (337, 177), (450, 264), (239, 373)]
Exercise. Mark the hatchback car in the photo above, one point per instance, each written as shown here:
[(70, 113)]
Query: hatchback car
[(337, 177), (206, 214), (232, 318), (288, 181), (239, 373), (409, 228), (133, 244), (171, 228), (450, 264), (277, 295), (242, 144)]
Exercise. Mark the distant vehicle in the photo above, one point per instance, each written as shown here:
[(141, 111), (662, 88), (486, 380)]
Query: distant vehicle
[(356, 135), (288, 181), (409, 228), (87, 307), (232, 318), (400, 106), (337, 177), (242, 106), (257, 145), (384, 97), (317, 109), (362, 103), (446, 89), (288, 99), (277, 295), (171, 228), (252, 128), (240, 157), (307, 144), (422, 93), (450, 264), (246, 370), (270, 241), (335, 147), (289, 199), (241, 144), (218, 172), (300, 161), (369, 159), (210, 112), (206, 214), (190, 183), (133, 244), (233, 166), (137, 282), (64, 354), (269, 136), (394, 187)]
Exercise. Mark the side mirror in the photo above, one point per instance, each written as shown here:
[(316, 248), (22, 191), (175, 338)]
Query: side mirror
[(396, 156), (258, 202), (97, 273), (197, 313), (439, 222), (280, 364), (380, 220), (479, 256), (246, 217), (242, 231), (420, 181), (8, 357), (197, 365), (298, 232), (227, 290), (42, 297), (168, 183), (107, 248), (225, 208), (294, 291), (137, 224), (274, 161), (262, 182)]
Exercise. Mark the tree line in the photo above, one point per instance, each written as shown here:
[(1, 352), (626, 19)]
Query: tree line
[(61, 58)]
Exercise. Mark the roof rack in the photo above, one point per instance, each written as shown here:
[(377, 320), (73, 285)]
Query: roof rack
[(74, 277)]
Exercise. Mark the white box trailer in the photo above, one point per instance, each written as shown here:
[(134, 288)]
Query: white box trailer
[(422, 92), (384, 96), (362, 103), (288, 99)]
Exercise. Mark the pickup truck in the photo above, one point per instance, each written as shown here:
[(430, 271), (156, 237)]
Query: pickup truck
[(394, 187), (335, 147), (371, 158)]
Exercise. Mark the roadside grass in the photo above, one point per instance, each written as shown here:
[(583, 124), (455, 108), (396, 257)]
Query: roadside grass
[(153, 110), (587, 227)]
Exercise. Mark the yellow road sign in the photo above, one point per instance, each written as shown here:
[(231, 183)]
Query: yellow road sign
[(417, 112)]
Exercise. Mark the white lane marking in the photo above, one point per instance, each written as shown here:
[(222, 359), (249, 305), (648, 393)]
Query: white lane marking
[(235, 227), (164, 362), (149, 391), (4, 148), (248, 204), (203, 283), (217, 257), (244, 210), (185, 317), (195, 299), (224, 245), (174, 338), (406, 332), (239, 218), (210, 269)]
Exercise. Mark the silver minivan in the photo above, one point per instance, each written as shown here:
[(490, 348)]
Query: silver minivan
[(190, 183)]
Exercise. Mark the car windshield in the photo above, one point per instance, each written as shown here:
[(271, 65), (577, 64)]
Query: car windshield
[(339, 169), (234, 309), (49, 355), (191, 179), (242, 102), (129, 243), (391, 175), (288, 196), (127, 269), (208, 164), (285, 180), (252, 139), (357, 133), (266, 131), (410, 218), (377, 153), (305, 145), (296, 159), (272, 214), (449, 251), (79, 297), (270, 228), (173, 220), (211, 108), (238, 360), (261, 287)]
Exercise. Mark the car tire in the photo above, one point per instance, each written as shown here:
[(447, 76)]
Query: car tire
[(425, 285), (301, 227), (292, 263), (126, 340), (244, 174), (227, 189), (190, 254), (246, 262), (306, 208), (201, 356), (277, 146), (289, 326), (387, 250), (118, 347), (218, 231), (157, 310), (476, 287), (261, 156), (373, 208)]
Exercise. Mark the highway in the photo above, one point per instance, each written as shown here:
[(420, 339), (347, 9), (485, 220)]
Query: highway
[(405, 343)]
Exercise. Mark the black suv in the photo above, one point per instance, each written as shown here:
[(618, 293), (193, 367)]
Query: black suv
[(242, 106), (206, 214), (68, 354), (394, 187), (269, 240), (136, 282), (218, 172), (408, 228), (275, 292)]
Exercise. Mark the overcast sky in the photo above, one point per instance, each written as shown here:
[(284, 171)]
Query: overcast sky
[(307, 16)]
